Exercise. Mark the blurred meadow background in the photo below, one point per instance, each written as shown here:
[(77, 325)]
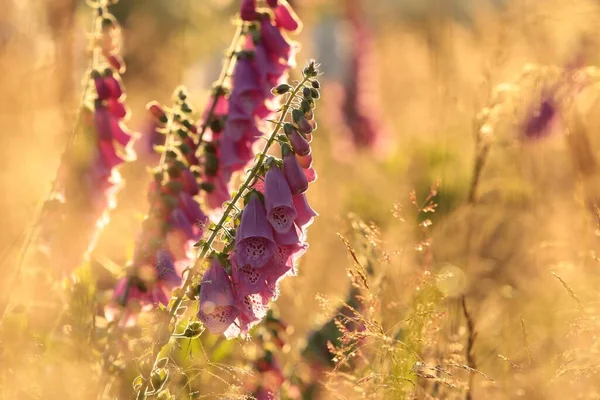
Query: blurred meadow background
[(457, 196)]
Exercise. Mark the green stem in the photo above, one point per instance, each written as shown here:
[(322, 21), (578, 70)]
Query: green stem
[(177, 299)]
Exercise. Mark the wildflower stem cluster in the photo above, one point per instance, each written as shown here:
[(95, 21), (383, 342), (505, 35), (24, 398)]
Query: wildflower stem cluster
[(206, 246)]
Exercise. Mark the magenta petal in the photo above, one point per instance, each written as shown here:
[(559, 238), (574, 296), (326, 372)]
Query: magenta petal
[(254, 237), (191, 209), (273, 39), (294, 174), (294, 235), (248, 10), (216, 287), (311, 174), (246, 279), (220, 109), (269, 66), (229, 153), (102, 90), (117, 108), (102, 123), (286, 18), (165, 268), (304, 161), (178, 221), (252, 307), (278, 200), (119, 134), (245, 77), (189, 181), (299, 143), (235, 129), (306, 214), (109, 155), (114, 86)]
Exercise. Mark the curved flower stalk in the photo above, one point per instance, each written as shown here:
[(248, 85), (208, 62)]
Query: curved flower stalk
[(265, 57), (88, 178), (174, 222), (256, 249)]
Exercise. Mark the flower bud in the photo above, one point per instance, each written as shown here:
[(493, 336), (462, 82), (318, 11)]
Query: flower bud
[(305, 106), (300, 120), (211, 164), (156, 109), (315, 84), (248, 10), (117, 63), (281, 89), (310, 71), (299, 143), (315, 93), (306, 92)]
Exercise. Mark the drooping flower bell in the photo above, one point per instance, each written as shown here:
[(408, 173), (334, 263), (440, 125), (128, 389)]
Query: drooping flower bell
[(254, 241), (278, 200), (217, 309)]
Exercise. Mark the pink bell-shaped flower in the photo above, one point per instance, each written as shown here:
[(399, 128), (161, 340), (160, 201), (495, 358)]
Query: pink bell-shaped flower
[(305, 214), (254, 238), (294, 174), (278, 200), (217, 311)]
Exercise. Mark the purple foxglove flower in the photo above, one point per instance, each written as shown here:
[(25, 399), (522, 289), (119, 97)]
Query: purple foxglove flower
[(102, 90), (275, 43), (217, 302), (248, 10), (117, 108), (294, 235), (311, 174), (306, 214), (108, 154), (254, 237), (165, 269), (304, 161), (304, 125), (269, 66), (114, 86), (281, 265), (192, 210), (221, 108), (286, 18), (119, 132), (178, 221), (251, 307), (245, 77), (278, 200), (235, 129), (246, 279), (102, 122), (272, 3), (299, 143), (294, 174), (231, 156), (189, 182)]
